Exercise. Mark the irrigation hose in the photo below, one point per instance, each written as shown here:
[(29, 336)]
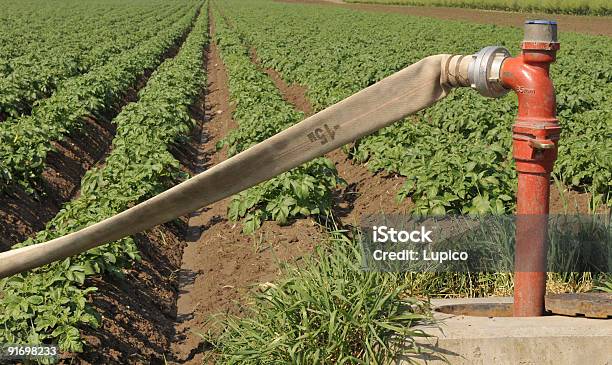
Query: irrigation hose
[(414, 88)]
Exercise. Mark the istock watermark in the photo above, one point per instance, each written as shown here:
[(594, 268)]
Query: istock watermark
[(385, 234), (576, 243)]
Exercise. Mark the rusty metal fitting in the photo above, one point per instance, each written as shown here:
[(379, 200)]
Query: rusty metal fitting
[(535, 146), (536, 130), (540, 35)]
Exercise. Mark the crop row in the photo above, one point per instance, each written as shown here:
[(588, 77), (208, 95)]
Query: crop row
[(261, 112), (581, 7), (26, 141), (456, 155), (38, 72), (48, 304)]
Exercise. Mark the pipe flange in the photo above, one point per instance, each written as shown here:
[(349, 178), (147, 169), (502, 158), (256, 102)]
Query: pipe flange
[(484, 71)]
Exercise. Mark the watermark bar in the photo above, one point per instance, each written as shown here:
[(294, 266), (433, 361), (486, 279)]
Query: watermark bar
[(575, 243)]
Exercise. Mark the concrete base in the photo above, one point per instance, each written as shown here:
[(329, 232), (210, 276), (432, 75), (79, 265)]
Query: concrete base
[(557, 340)]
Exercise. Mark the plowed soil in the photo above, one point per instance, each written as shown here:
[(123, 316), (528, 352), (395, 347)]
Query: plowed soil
[(567, 23), (138, 310), (22, 214)]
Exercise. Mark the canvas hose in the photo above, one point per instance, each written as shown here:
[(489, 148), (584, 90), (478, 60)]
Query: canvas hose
[(406, 92)]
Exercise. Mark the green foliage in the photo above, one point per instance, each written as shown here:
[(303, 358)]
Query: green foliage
[(39, 68), (261, 112), (460, 167), (327, 311), (581, 7), (25, 140), (303, 191), (48, 304), (456, 155), (604, 283)]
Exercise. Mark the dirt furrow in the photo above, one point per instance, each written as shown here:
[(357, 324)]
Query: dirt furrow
[(22, 214), (220, 263), (138, 307), (138, 310)]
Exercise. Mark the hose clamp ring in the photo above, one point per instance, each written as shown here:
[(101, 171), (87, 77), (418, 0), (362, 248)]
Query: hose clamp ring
[(484, 71)]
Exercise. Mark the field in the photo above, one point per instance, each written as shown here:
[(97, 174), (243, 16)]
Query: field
[(160, 91)]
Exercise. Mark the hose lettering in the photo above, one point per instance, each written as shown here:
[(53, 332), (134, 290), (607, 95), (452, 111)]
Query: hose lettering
[(324, 134)]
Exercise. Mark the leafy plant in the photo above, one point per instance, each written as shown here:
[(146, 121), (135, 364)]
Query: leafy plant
[(604, 284), (261, 112), (26, 140), (303, 191), (41, 67)]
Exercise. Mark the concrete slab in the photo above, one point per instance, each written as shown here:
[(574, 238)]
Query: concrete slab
[(557, 340)]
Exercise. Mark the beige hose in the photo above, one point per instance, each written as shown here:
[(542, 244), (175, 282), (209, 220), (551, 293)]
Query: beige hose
[(393, 98)]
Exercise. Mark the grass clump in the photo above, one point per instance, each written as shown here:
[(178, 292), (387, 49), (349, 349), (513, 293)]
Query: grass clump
[(604, 283), (325, 311)]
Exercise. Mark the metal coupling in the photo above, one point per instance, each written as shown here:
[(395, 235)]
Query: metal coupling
[(484, 71)]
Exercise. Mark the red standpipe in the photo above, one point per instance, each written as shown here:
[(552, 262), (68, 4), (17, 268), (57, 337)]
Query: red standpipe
[(535, 135)]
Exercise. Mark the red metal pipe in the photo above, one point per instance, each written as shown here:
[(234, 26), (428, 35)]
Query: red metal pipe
[(535, 135), (531, 247)]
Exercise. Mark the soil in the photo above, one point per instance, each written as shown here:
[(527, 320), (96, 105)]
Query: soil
[(138, 310), (294, 94), (366, 193), (567, 23), (570, 201)]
